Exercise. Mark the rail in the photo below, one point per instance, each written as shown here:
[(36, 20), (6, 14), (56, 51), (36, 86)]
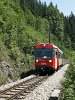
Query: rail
[(20, 90)]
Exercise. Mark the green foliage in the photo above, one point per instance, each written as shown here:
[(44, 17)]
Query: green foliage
[(42, 25), (69, 85), (69, 29), (14, 52), (55, 21), (69, 94), (67, 42)]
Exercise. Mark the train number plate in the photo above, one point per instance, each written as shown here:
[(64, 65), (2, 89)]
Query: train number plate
[(43, 63)]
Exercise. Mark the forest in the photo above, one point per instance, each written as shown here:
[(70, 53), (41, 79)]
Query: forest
[(24, 23)]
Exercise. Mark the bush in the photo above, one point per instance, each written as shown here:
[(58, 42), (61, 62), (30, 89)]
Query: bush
[(14, 52)]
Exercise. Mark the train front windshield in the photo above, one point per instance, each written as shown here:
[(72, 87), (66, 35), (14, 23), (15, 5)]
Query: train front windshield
[(43, 52)]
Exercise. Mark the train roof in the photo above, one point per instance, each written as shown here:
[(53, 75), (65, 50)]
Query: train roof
[(47, 45)]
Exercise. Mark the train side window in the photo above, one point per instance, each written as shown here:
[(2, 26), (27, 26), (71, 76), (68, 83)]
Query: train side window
[(59, 55), (53, 53)]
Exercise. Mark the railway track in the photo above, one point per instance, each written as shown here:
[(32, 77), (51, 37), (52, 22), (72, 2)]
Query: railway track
[(19, 91)]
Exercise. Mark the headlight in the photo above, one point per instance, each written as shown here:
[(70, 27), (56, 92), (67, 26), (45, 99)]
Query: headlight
[(37, 60), (50, 60)]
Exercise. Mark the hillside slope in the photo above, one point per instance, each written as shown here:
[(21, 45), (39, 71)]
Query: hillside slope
[(20, 30), (17, 39)]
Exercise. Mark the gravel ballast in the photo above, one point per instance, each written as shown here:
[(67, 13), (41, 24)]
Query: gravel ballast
[(43, 91)]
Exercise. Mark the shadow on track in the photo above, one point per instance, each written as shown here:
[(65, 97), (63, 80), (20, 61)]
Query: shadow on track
[(28, 73), (35, 72)]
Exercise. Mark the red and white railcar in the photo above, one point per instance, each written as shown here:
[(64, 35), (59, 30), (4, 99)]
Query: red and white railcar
[(48, 56)]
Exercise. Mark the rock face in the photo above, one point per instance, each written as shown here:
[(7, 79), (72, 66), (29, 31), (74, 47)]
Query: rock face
[(7, 73)]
